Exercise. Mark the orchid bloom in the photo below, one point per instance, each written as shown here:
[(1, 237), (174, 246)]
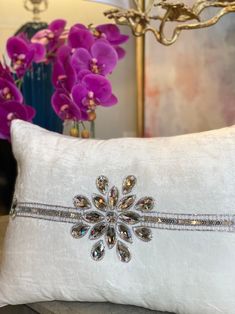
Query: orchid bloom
[(112, 34), (93, 90), (65, 108), (8, 91), (11, 110), (63, 75), (80, 37), (5, 72), (23, 53), (101, 59), (52, 38)]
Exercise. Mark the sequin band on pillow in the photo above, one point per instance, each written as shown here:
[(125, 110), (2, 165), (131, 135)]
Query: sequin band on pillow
[(119, 219)]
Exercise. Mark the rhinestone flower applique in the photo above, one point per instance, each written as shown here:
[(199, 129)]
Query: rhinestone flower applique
[(115, 218)]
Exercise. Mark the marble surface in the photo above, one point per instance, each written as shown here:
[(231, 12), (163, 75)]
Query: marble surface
[(59, 307)]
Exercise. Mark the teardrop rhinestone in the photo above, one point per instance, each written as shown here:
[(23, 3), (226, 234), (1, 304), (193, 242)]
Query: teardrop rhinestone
[(81, 202), (93, 217), (143, 233), (110, 237), (98, 251), (124, 232), (99, 202), (128, 184), (98, 230), (102, 184), (145, 204), (79, 230), (123, 252), (130, 218), (113, 197), (126, 202)]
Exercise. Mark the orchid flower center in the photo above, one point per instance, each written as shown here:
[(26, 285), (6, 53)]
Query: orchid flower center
[(64, 110), (50, 36), (11, 116), (90, 101), (99, 34), (62, 77), (6, 93), (19, 60), (95, 67)]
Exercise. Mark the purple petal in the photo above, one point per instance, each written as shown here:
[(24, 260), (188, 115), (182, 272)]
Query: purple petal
[(31, 112), (121, 40), (16, 45), (120, 52), (57, 26), (63, 53), (112, 33), (9, 111), (9, 92), (79, 92), (80, 26), (80, 38), (39, 52), (82, 73), (42, 37), (99, 85), (64, 107), (112, 100), (81, 60), (5, 73), (106, 56), (58, 70)]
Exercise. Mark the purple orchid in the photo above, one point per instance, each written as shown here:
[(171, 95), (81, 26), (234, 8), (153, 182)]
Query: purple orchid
[(113, 35), (80, 37), (93, 90), (23, 54), (9, 92), (52, 38), (5, 73), (101, 59), (64, 106), (11, 110), (63, 75)]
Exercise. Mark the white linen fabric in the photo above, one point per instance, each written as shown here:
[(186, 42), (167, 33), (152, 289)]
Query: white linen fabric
[(186, 272)]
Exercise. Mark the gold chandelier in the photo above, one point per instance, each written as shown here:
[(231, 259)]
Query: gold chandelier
[(141, 18)]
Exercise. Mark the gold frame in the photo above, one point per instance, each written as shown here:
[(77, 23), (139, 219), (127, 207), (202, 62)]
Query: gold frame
[(140, 81)]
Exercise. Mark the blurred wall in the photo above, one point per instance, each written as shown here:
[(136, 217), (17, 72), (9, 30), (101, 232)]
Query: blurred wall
[(117, 121)]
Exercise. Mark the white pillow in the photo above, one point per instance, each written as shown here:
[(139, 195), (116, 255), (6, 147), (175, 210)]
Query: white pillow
[(186, 263)]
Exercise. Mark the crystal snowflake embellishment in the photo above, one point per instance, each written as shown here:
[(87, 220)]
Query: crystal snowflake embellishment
[(112, 219)]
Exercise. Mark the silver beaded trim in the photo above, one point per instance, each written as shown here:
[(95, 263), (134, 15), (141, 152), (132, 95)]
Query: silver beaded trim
[(157, 220), (189, 222), (45, 212)]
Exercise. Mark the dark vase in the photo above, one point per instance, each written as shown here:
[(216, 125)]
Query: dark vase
[(37, 88)]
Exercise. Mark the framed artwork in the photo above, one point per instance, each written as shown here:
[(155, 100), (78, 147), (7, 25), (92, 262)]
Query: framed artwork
[(189, 86)]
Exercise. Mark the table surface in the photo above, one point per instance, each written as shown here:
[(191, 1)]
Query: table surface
[(59, 307)]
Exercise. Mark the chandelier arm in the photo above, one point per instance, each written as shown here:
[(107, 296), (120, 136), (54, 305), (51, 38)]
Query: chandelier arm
[(201, 5), (208, 23)]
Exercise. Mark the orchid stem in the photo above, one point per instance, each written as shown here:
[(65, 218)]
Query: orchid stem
[(92, 129)]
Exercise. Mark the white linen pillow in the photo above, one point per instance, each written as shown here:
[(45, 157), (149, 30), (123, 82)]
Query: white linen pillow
[(186, 263)]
